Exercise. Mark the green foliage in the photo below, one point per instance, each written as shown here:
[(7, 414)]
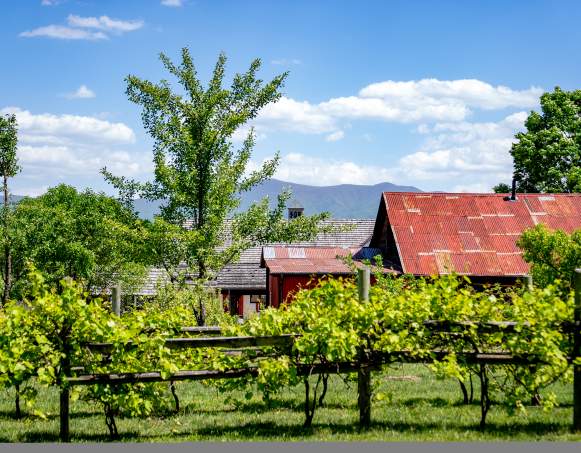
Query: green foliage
[(547, 157), (40, 334), (87, 236), (8, 168), (501, 188), (8, 140), (334, 326), (200, 175), (47, 334), (200, 301), (553, 255)]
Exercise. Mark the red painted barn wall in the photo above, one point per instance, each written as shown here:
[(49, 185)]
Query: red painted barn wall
[(273, 291), (286, 285)]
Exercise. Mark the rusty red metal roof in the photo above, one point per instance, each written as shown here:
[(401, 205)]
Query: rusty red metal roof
[(313, 260), (472, 234)]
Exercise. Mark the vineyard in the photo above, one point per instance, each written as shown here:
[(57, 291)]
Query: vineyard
[(507, 347)]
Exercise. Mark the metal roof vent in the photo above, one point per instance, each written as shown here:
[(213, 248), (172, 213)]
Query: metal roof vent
[(513, 191)]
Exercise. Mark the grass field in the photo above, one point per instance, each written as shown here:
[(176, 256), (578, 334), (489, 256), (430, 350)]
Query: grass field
[(418, 407)]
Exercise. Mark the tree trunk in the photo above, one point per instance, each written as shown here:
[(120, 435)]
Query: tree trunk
[(110, 422), (7, 252), (471, 389), (464, 392), (309, 412), (485, 402), (175, 396), (324, 391), (17, 402)]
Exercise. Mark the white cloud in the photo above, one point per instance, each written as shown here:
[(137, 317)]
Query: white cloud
[(66, 148), (83, 28), (174, 3), (65, 127), (299, 168), (241, 134), (463, 156), (335, 136), (290, 115), (50, 2), (455, 156), (62, 32), (104, 23), (468, 92), (286, 62), (423, 101), (83, 92)]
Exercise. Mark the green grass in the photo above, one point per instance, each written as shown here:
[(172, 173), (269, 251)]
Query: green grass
[(422, 409)]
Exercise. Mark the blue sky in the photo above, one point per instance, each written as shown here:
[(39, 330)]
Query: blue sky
[(412, 92)]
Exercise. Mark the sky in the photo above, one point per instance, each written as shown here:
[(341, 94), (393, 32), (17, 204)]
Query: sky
[(419, 93)]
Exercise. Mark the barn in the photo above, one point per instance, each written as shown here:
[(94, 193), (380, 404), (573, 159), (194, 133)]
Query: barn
[(243, 283), (426, 234), (468, 234), (290, 268)]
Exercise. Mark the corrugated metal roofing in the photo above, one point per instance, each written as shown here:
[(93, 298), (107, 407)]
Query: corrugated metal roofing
[(472, 234), (314, 260)]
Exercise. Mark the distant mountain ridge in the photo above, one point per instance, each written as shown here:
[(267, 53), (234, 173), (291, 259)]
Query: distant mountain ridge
[(344, 201)]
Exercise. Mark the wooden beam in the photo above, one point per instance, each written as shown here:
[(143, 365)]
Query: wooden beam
[(210, 342)]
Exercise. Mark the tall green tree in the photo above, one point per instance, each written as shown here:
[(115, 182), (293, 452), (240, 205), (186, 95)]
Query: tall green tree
[(8, 168), (547, 157), (200, 174), (88, 236)]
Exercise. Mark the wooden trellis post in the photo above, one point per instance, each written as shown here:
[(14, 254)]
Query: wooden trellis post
[(364, 372), (577, 353), (116, 299), (529, 280)]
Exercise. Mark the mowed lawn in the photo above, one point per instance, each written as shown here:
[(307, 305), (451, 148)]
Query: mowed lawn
[(417, 407)]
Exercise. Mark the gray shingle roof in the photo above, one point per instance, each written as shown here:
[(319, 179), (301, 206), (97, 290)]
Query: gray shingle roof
[(246, 272)]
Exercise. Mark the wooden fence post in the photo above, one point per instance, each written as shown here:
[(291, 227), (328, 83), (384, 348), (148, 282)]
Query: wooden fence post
[(364, 372), (577, 353), (363, 283), (64, 395), (530, 282), (116, 299), (64, 415)]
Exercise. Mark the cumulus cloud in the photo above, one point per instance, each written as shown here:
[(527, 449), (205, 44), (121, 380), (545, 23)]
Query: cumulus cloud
[(441, 93), (425, 101), (300, 168), (65, 127), (464, 156), (85, 28), (174, 3), (456, 156), (290, 115), (335, 136), (104, 23), (63, 32), (62, 148), (83, 92)]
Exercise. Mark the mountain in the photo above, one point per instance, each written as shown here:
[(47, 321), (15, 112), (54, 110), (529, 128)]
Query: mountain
[(345, 201)]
